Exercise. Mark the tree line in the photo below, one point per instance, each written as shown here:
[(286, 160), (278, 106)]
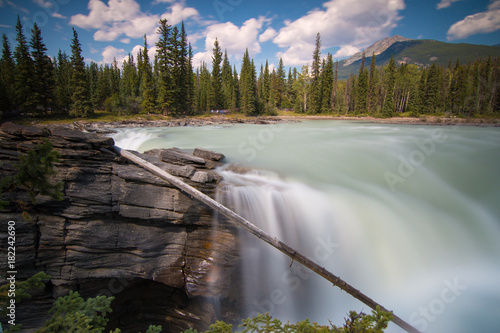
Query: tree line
[(33, 83)]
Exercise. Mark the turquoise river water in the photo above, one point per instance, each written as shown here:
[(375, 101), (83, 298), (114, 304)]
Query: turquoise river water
[(410, 215)]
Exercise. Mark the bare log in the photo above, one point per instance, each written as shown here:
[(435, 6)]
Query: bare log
[(240, 221)]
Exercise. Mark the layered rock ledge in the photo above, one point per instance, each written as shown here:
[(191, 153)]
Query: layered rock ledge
[(120, 231)]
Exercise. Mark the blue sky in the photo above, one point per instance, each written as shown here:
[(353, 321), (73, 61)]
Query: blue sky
[(269, 29)]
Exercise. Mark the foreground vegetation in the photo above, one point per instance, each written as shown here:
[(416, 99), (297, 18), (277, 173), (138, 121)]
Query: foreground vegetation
[(72, 313), (32, 83)]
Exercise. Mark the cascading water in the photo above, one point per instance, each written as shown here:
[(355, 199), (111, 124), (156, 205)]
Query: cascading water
[(407, 214)]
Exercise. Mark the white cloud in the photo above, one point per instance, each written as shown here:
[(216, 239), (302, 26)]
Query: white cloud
[(267, 35), (179, 13), (110, 53), (354, 24), (125, 40), (445, 3), (124, 17), (236, 39), (59, 16), (484, 22), (43, 3), (137, 48), (200, 57), (346, 51)]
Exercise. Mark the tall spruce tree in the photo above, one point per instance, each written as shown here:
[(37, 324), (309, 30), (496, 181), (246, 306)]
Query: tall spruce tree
[(327, 81), (280, 84), (42, 96), (362, 88), (81, 105), (166, 91), (315, 91), (23, 79), (63, 91), (248, 89), (7, 77), (432, 88), (217, 96), (390, 80), (235, 100), (175, 60), (227, 82), (373, 84), (185, 72), (147, 83)]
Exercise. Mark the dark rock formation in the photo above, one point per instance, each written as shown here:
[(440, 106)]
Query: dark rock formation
[(120, 231)]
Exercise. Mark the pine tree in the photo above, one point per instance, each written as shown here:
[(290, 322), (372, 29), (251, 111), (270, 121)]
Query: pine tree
[(130, 79), (362, 88), (147, 83), (248, 89), (7, 77), (432, 88), (165, 82), (390, 77), (23, 79), (216, 96), (235, 101), (93, 74), (185, 72), (327, 82), (43, 74), (190, 83), (63, 91), (373, 84), (280, 85), (204, 89), (81, 106), (227, 82), (315, 105)]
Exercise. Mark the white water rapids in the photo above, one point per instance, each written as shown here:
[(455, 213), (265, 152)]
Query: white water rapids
[(409, 215)]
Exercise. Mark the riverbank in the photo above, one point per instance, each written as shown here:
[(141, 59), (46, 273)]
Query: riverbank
[(422, 120), (107, 126)]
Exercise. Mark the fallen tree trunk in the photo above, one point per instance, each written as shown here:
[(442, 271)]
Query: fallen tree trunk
[(240, 221)]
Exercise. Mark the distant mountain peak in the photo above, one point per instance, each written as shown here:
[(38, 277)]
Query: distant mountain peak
[(376, 48)]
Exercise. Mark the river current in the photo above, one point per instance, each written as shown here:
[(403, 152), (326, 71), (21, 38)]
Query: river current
[(409, 215)]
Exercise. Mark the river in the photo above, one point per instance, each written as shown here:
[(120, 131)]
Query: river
[(408, 214)]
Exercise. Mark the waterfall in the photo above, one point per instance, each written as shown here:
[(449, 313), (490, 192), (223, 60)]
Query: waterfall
[(408, 215), (293, 213), (324, 228)]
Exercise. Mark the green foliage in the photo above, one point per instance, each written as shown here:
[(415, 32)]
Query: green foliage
[(34, 171), (217, 93), (81, 103), (23, 80), (23, 290), (373, 323), (42, 95), (31, 82), (73, 314)]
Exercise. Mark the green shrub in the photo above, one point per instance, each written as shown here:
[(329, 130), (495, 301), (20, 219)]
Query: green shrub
[(374, 323)]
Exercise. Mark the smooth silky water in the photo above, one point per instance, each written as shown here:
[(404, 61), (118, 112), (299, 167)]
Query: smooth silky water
[(409, 215)]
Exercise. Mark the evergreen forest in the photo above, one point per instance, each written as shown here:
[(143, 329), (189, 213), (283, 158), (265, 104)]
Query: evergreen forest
[(33, 83)]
